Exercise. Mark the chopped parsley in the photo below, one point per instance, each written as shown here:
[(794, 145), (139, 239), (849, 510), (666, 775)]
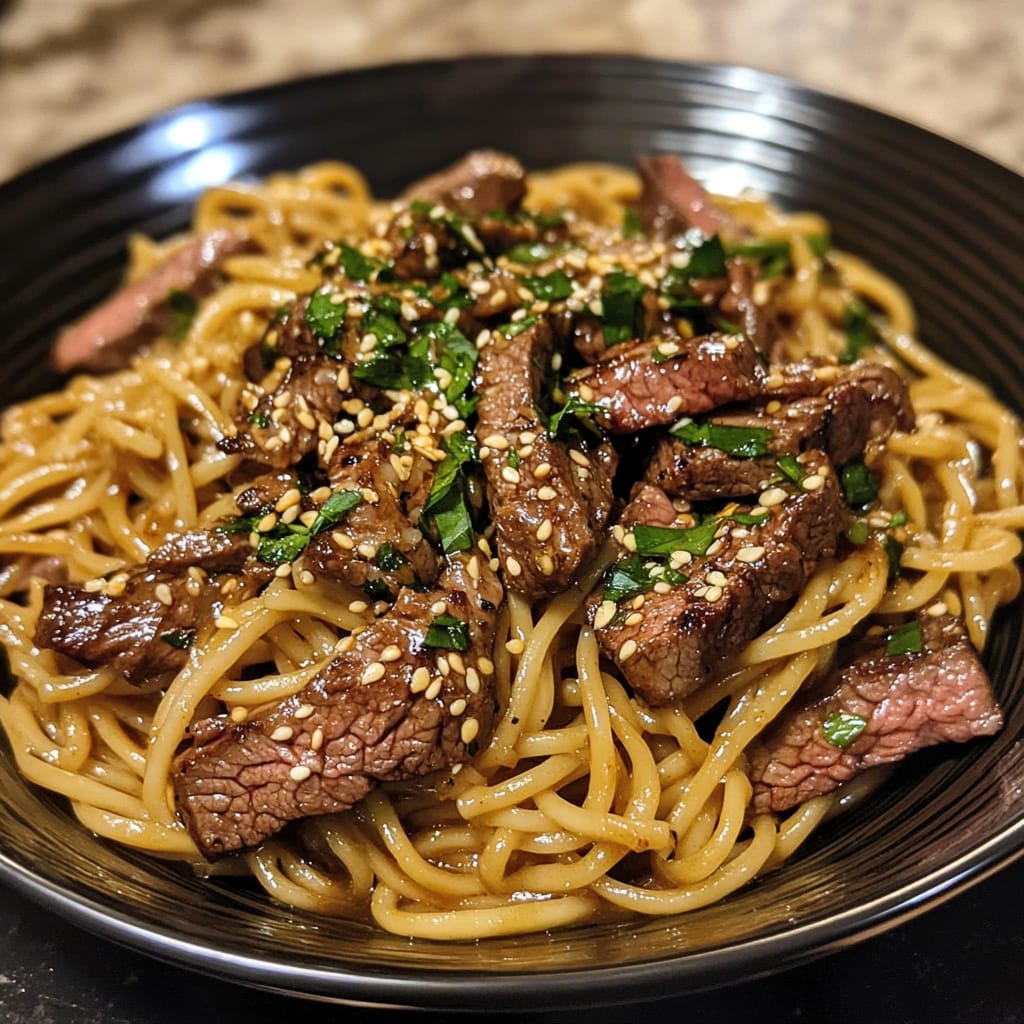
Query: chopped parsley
[(447, 504), (456, 354), (771, 253), (400, 442), (578, 413), (389, 559), (707, 259), (860, 485), (549, 287), (664, 540), (379, 321), (740, 442), (627, 578), (333, 509), (622, 315), (531, 252), (905, 639), (449, 633), (181, 639), (325, 316), (631, 225), (183, 305), (515, 327), (513, 458), (259, 419), (859, 331), (842, 728), (359, 267), (286, 541)]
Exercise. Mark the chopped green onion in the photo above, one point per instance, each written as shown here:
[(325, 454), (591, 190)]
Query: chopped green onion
[(549, 287), (622, 316), (859, 332), (860, 485), (184, 306), (740, 442), (663, 540), (449, 633), (842, 728), (905, 639), (791, 469), (182, 639)]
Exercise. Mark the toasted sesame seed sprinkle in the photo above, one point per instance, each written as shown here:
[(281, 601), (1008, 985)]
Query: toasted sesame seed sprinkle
[(304, 711), (578, 457), (473, 568), (813, 482), (772, 497), (345, 644), (373, 673), (267, 523), (586, 392), (674, 404), (515, 646), (434, 689), (543, 471), (717, 578), (485, 665), (299, 773), (282, 734), (283, 570), (391, 653), (438, 607), (367, 550), (163, 594), (443, 666), (225, 622), (239, 713), (627, 650), (472, 679), (751, 553), (458, 706), (713, 594), (509, 474), (629, 542), (546, 564), (546, 493), (420, 679), (513, 567), (937, 609), (634, 619), (317, 739), (662, 587), (545, 530), (469, 732), (604, 614)]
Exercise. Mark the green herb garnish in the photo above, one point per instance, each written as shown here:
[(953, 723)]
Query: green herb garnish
[(627, 579), (664, 540), (530, 252), (631, 225), (449, 633), (549, 287), (859, 331), (707, 259), (740, 442), (842, 728), (905, 639), (259, 419), (182, 639), (622, 315), (359, 267), (860, 485), (389, 558), (577, 410), (791, 469), (184, 306), (324, 316), (447, 504)]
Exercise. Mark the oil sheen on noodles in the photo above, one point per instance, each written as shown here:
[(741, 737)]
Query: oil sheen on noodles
[(578, 777)]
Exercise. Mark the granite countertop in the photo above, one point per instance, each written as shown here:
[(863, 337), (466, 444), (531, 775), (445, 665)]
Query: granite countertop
[(72, 70)]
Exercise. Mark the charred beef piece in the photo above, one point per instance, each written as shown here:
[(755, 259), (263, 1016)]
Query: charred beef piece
[(862, 406), (210, 550), (306, 402), (906, 702), (549, 502), (386, 709), (378, 547), (482, 181), (106, 338), (749, 575), (672, 202), (738, 304), (635, 390)]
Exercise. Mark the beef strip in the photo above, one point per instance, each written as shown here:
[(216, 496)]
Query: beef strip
[(305, 403), (362, 720), (908, 701), (394, 492), (482, 181), (738, 304), (748, 576), (671, 201), (863, 405), (210, 550), (637, 391), (106, 338), (550, 509)]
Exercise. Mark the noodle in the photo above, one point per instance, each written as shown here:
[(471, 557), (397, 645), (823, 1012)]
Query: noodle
[(584, 802)]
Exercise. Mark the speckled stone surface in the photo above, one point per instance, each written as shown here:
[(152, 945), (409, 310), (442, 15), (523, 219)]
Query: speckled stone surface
[(71, 70)]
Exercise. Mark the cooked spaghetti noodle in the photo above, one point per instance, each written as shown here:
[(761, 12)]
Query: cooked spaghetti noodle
[(584, 801)]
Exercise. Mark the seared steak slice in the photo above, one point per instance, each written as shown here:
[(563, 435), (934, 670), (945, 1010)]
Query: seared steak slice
[(679, 635), (864, 405), (549, 499), (481, 182), (378, 546), (900, 702), (140, 631), (106, 338), (210, 550), (387, 708), (672, 202), (738, 304), (639, 386), (287, 422)]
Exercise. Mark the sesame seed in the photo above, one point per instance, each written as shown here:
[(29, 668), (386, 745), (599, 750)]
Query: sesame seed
[(668, 348), (282, 734), (163, 594), (675, 403), (662, 587), (283, 570), (282, 398), (515, 646), (442, 664), (225, 622), (545, 530), (772, 497), (469, 731), (438, 607), (634, 619), (546, 564), (374, 672), (299, 773), (289, 515), (344, 427), (485, 665), (304, 711), (510, 475), (434, 689), (717, 578), (604, 614), (513, 567), (937, 609), (629, 542), (546, 493), (813, 482), (290, 497), (458, 706), (578, 457), (345, 644), (367, 550), (420, 679), (472, 680), (306, 419), (543, 471), (713, 594), (773, 407), (317, 739), (342, 380), (586, 392), (391, 653), (473, 568), (752, 553), (267, 523), (284, 435), (627, 650)]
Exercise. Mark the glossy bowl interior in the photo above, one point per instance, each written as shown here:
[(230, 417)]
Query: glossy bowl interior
[(944, 221)]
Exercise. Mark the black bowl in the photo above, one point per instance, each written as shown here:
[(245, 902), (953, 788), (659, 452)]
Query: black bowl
[(942, 220)]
